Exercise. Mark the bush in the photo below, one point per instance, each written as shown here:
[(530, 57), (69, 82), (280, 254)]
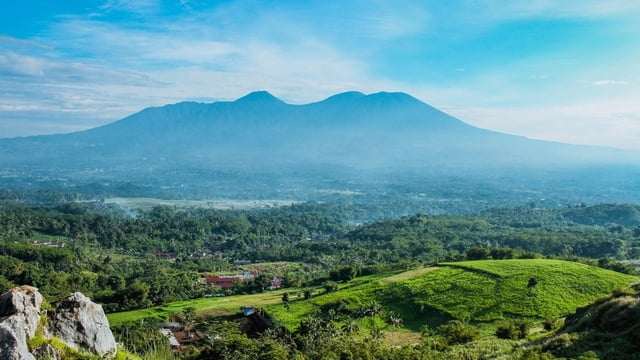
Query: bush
[(534, 354), (307, 294), (477, 253), (330, 286), (512, 330), (345, 273), (457, 332), (549, 324)]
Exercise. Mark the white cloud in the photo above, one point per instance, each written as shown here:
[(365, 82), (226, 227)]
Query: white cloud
[(135, 6), (610, 82)]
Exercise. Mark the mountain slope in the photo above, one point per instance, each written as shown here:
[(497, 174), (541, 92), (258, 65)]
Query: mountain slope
[(351, 129)]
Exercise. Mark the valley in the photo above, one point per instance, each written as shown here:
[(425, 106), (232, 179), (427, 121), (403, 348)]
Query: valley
[(319, 180)]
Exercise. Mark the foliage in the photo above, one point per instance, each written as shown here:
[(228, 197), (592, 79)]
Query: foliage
[(457, 332)]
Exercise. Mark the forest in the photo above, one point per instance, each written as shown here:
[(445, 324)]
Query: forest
[(157, 256)]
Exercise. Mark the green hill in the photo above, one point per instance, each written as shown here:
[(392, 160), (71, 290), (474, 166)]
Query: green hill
[(477, 291), (480, 292)]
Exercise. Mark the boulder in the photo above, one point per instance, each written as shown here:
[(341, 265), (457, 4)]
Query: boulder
[(82, 324), (21, 306), (19, 319), (12, 346)]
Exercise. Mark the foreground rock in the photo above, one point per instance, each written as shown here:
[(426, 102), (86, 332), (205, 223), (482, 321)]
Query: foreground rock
[(82, 324), (77, 321), (19, 319)]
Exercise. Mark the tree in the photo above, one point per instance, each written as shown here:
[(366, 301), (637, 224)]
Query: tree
[(501, 253), (285, 300), (457, 332), (188, 319), (307, 294), (513, 330), (344, 273), (477, 253), (330, 286)]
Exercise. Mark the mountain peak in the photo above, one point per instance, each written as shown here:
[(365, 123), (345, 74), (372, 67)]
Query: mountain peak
[(261, 96), (393, 96), (344, 97)]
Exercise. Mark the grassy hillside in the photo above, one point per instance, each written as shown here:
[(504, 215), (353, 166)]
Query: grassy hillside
[(491, 290), (476, 291), (481, 292)]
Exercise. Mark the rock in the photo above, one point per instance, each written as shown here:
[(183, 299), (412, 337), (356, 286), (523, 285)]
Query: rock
[(12, 346), (20, 309), (82, 324), (19, 319), (47, 352)]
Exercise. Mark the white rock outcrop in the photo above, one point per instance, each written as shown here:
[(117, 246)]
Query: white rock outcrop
[(82, 324), (77, 321), (19, 319)]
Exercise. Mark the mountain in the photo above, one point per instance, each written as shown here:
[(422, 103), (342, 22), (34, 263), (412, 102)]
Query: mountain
[(352, 129), (261, 142)]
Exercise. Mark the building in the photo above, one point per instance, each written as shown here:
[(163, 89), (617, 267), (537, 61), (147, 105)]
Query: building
[(172, 339), (224, 281), (248, 310), (276, 283), (229, 281)]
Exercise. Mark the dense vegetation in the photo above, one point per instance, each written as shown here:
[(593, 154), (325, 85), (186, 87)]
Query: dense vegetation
[(350, 290), (156, 256)]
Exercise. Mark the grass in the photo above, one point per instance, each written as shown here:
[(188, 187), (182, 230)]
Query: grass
[(498, 289), (214, 306), (481, 292)]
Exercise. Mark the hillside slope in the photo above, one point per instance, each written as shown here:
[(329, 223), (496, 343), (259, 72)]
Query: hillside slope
[(609, 327), (476, 291)]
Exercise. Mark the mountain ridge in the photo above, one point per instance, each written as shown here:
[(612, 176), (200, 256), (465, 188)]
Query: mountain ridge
[(259, 134)]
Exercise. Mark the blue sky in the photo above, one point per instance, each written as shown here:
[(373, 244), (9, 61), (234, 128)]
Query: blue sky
[(559, 70)]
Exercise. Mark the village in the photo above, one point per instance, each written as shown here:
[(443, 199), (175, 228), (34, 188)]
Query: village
[(179, 330)]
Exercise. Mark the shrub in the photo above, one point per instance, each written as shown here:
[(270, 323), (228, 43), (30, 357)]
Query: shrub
[(477, 253), (513, 330), (457, 332), (330, 286), (307, 294), (549, 324)]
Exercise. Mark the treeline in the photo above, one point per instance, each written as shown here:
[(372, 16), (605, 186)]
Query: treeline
[(181, 232)]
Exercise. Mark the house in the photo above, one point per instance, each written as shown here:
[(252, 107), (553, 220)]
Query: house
[(229, 281), (249, 275), (224, 281), (248, 310), (276, 283)]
